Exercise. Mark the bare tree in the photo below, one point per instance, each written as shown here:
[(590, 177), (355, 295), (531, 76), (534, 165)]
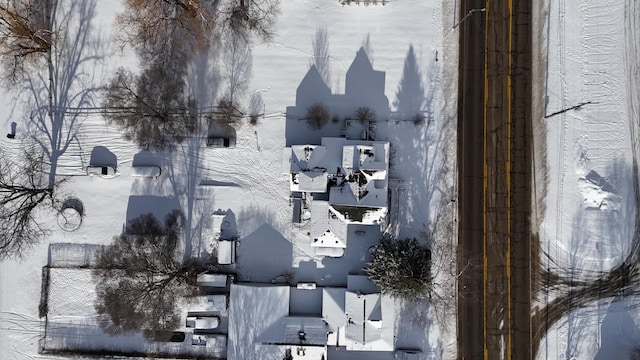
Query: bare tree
[(139, 278), (152, 109), (245, 17), (365, 114), (317, 116), (24, 191), (180, 27), (25, 32), (227, 112)]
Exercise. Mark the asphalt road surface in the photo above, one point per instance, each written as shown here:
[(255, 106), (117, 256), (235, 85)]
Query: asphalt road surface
[(494, 131)]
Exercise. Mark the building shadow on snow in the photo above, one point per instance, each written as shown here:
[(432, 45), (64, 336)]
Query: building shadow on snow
[(618, 334), (263, 256), (364, 87)]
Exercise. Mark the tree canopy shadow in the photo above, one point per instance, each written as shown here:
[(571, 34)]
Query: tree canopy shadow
[(236, 64)]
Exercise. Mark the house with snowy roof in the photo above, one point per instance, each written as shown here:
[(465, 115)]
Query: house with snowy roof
[(263, 325), (344, 182)]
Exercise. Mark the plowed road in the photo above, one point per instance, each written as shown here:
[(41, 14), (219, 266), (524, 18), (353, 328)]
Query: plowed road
[(494, 132)]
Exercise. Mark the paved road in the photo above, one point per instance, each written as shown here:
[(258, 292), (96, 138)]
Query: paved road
[(494, 185)]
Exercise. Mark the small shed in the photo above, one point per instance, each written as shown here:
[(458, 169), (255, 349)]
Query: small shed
[(226, 252)]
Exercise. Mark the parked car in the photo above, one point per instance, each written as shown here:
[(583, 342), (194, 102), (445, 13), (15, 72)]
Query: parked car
[(407, 354), (146, 171), (203, 322), (106, 170), (220, 142)]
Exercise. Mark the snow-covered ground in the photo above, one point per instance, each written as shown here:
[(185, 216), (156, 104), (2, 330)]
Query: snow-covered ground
[(248, 178), (584, 182)]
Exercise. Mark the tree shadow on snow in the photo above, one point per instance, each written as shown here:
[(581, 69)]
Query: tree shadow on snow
[(420, 157), (58, 105), (410, 97)]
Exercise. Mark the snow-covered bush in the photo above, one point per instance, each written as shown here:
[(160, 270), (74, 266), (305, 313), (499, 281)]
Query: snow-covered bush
[(400, 268)]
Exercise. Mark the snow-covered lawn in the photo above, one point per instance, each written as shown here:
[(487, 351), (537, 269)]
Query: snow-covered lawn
[(248, 179), (584, 182)]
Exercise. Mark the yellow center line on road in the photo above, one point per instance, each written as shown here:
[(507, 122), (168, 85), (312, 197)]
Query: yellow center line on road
[(484, 192), (508, 171)]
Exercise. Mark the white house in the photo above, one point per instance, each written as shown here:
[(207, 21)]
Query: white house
[(260, 326), (359, 318), (347, 182), (356, 318)]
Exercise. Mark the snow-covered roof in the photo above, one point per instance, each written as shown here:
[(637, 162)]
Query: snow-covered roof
[(206, 303), (364, 317), (373, 156), (370, 322), (260, 326), (297, 352), (306, 165), (212, 280), (302, 157), (359, 170), (333, 310), (309, 181), (226, 252), (255, 311), (327, 230), (288, 331), (357, 320)]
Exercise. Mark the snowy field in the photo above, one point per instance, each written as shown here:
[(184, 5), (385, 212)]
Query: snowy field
[(587, 58), (248, 179)]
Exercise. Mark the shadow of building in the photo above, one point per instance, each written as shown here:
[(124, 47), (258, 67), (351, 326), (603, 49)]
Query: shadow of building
[(364, 87)]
